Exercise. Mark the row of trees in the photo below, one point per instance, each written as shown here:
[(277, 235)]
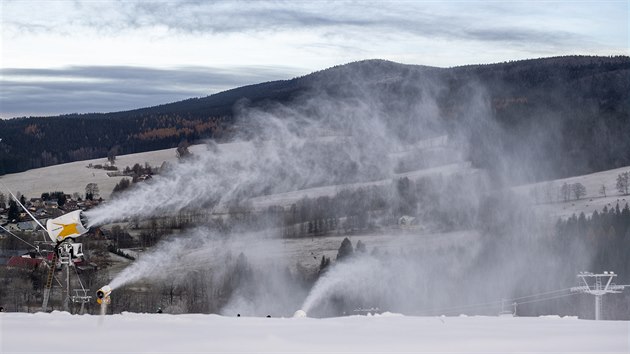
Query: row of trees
[(569, 191), (59, 196), (576, 189), (89, 138)]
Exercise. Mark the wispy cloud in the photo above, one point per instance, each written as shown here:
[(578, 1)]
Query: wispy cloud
[(113, 88), (450, 20), (110, 50)]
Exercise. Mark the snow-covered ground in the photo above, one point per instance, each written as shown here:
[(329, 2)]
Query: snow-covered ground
[(387, 333), (288, 198), (74, 176), (594, 199), (308, 251)]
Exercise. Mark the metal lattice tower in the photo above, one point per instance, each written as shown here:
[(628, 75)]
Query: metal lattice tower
[(65, 258), (64, 254), (598, 285)]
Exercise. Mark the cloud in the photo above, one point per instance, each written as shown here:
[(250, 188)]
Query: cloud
[(114, 88), (282, 35), (450, 21)]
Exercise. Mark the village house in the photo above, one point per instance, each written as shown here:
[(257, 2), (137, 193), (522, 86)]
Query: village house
[(24, 262), (40, 213), (54, 212), (36, 202), (26, 226), (71, 205), (29, 260), (51, 204)]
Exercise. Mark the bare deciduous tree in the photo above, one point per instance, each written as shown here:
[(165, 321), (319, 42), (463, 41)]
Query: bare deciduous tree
[(578, 190), (91, 190), (182, 151), (111, 154)]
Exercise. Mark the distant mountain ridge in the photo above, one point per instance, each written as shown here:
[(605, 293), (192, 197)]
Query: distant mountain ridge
[(589, 97)]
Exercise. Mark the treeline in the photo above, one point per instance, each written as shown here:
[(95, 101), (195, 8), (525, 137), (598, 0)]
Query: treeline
[(38, 142), (43, 141), (606, 233), (551, 118)]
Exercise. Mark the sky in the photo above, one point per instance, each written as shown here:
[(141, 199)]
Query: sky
[(101, 56)]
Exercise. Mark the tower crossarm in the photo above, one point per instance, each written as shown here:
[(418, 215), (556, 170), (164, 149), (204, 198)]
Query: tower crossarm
[(580, 289), (598, 285)]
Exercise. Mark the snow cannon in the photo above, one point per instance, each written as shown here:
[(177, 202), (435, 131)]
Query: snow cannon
[(299, 314), (102, 295), (67, 227)]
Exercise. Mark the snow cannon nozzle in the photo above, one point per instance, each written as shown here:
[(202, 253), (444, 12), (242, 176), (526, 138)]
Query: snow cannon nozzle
[(102, 294), (84, 220)]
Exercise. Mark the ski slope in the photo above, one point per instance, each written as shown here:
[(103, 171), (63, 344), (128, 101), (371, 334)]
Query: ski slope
[(388, 333)]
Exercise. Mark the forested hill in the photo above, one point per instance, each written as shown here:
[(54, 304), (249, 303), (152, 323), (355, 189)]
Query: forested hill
[(584, 102)]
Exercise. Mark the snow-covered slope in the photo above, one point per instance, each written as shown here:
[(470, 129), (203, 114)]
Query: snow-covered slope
[(308, 251), (74, 176), (388, 333), (288, 198), (549, 201)]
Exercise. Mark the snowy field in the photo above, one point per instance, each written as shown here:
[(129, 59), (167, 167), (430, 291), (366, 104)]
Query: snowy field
[(161, 333), (74, 176), (594, 200), (308, 251), (288, 198)]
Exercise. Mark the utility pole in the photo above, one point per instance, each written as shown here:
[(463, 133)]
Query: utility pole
[(598, 285)]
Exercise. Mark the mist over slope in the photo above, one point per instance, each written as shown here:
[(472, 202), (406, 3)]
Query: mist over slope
[(568, 113), (368, 126), (376, 143)]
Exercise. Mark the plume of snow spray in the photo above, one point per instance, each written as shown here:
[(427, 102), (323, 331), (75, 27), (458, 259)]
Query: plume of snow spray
[(174, 256), (355, 134), (352, 277), (290, 152)]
